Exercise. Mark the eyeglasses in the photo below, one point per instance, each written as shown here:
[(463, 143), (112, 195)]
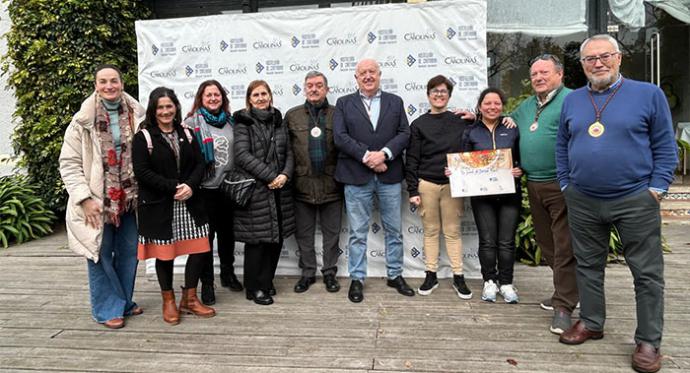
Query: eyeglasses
[(605, 58), (546, 57), (439, 92)]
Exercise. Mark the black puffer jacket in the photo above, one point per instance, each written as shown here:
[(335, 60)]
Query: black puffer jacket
[(258, 221)]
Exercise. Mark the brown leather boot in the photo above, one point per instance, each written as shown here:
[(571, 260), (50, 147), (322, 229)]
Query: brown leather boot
[(170, 313), (190, 304)]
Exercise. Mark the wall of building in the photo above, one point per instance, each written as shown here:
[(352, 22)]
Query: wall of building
[(7, 100)]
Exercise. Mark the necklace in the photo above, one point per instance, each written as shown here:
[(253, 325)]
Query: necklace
[(597, 128)]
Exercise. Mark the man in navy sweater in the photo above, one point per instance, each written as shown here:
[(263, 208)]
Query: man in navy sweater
[(615, 158), (371, 131)]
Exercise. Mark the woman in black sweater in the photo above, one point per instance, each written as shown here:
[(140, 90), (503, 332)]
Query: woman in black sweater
[(432, 136)]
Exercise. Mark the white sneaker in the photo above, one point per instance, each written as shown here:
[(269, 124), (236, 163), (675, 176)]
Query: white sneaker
[(489, 292), (509, 293)]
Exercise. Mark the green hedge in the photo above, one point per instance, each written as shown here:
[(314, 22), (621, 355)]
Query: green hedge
[(23, 215), (53, 47)]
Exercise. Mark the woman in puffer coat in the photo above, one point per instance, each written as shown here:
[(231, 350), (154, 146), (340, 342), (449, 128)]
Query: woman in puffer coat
[(96, 167), (263, 151)]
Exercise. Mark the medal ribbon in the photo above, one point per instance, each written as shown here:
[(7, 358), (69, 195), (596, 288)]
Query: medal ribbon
[(597, 111)]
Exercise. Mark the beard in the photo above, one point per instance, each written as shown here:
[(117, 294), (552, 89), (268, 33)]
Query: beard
[(602, 82)]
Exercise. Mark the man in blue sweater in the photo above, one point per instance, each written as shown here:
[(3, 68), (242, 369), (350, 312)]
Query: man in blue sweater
[(615, 158)]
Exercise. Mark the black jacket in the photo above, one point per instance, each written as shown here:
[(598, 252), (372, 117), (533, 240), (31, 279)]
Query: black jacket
[(158, 178), (310, 187), (258, 222)]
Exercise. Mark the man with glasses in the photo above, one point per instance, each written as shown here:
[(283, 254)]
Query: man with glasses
[(538, 118), (371, 132), (616, 155), (315, 190)]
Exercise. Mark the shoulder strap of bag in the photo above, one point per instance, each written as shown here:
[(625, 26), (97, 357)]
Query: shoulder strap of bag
[(149, 143)]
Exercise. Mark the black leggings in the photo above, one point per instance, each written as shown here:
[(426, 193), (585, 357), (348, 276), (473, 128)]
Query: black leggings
[(497, 218), (192, 271)]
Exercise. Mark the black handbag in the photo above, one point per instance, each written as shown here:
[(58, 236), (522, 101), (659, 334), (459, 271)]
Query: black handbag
[(238, 187)]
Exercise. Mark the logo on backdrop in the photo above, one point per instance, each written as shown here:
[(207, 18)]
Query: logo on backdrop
[(415, 229), (388, 62), (278, 90), (466, 83), (375, 228), (414, 36), (426, 59), (271, 67), (389, 85), (413, 208), (237, 91), (450, 33), (305, 40), (201, 48), (164, 49), (304, 67), (296, 89), (415, 252), (410, 60), (415, 87), (342, 41), (466, 33), (411, 109), (347, 64), (384, 36), (163, 74), (233, 45), (377, 253), (338, 90), (465, 60), (267, 44), (238, 69), (200, 70)]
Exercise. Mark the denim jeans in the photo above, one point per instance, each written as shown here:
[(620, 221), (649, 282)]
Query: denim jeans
[(111, 280), (497, 219), (359, 202)]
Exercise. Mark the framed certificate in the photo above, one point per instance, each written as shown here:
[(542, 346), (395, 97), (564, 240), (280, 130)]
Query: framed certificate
[(481, 173)]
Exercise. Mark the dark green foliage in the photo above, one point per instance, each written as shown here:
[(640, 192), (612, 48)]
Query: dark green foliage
[(53, 48), (23, 215)]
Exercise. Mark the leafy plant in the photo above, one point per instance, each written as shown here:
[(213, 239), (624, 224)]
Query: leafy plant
[(53, 48), (23, 215)]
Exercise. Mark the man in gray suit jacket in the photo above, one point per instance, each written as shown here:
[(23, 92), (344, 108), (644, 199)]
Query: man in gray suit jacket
[(371, 132)]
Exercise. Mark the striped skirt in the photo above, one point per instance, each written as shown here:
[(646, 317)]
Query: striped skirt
[(188, 238)]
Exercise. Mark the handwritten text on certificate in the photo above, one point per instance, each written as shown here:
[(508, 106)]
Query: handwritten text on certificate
[(481, 173)]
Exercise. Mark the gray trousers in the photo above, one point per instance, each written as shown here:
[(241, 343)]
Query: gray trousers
[(330, 215), (637, 219)]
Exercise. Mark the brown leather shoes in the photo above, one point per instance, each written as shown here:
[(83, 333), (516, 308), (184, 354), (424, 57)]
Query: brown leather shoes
[(191, 304), (171, 314), (136, 311), (115, 323), (578, 334), (646, 358)]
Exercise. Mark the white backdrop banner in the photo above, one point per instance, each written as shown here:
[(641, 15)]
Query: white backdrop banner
[(412, 43)]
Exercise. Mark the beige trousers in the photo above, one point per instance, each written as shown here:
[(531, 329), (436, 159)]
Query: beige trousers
[(440, 211)]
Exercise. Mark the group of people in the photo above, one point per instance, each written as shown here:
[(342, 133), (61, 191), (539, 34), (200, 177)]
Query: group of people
[(144, 183)]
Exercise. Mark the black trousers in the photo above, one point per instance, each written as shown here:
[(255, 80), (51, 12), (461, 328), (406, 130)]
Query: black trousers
[(220, 220), (497, 218), (260, 264), (330, 214)]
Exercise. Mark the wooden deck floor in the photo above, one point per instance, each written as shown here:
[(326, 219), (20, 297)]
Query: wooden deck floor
[(45, 325)]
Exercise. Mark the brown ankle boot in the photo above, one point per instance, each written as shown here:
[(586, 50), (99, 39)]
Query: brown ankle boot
[(190, 304), (170, 313)]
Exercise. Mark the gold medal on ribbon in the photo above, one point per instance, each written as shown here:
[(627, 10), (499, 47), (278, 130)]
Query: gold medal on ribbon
[(534, 127), (316, 132), (596, 129)]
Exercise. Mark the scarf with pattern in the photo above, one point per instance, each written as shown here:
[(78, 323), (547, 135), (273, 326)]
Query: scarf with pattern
[(202, 119), (119, 184)]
